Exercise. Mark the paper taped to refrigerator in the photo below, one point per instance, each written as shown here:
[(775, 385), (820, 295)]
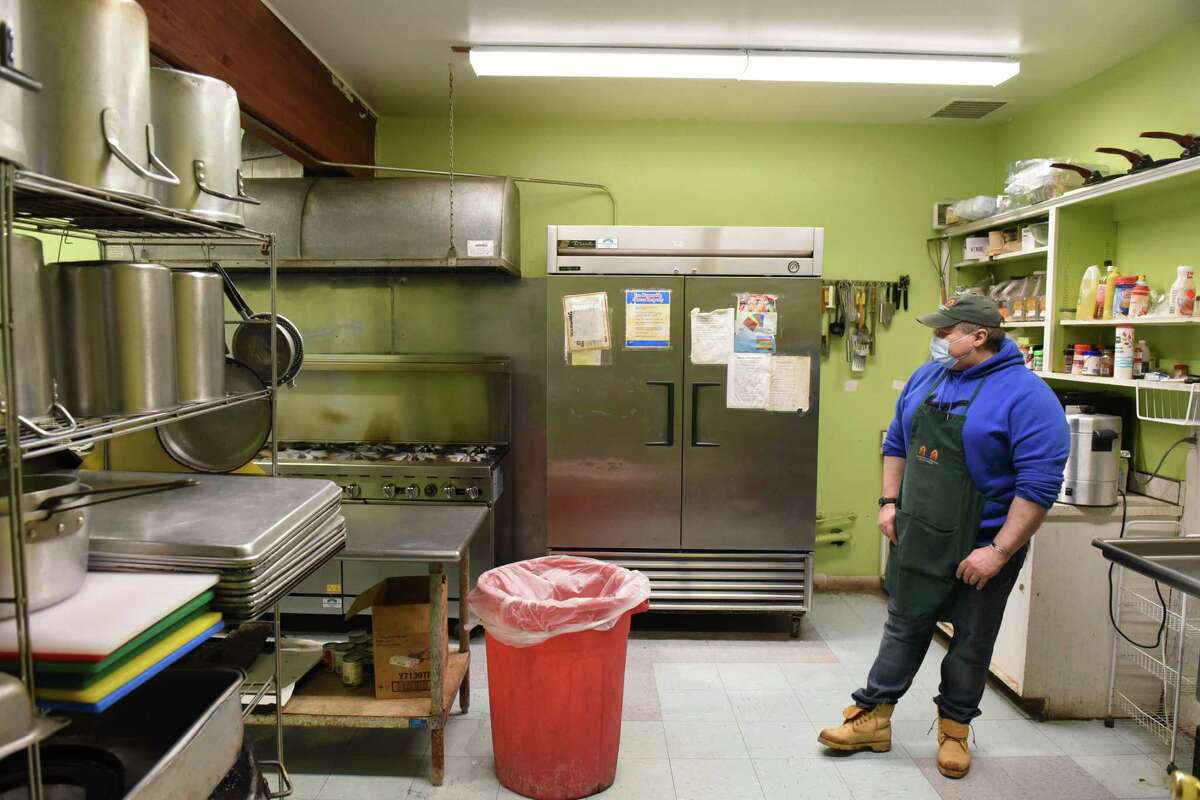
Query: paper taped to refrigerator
[(647, 319), (763, 382), (586, 322), (712, 336), (586, 358), (757, 323), (789, 390), (748, 381)]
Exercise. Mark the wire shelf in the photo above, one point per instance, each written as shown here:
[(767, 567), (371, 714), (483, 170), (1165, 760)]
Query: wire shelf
[(48, 205), (1172, 404), (1154, 666), (90, 431), (1152, 609), (1156, 720)]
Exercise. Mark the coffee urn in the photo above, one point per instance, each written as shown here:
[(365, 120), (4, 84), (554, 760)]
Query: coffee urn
[(1090, 478)]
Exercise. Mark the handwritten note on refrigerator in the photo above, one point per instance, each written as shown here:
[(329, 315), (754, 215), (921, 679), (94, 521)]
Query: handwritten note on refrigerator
[(789, 391), (748, 380)]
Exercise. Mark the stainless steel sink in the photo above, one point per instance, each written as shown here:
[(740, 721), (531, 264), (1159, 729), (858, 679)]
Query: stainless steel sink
[(174, 738), (1174, 561)]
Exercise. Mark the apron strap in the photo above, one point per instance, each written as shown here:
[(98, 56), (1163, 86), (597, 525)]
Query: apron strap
[(957, 403)]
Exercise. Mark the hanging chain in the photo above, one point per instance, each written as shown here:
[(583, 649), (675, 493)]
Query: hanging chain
[(451, 253)]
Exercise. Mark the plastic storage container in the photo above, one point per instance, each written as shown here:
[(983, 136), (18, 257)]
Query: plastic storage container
[(557, 629)]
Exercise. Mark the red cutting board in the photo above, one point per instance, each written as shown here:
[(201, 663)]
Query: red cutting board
[(110, 609)]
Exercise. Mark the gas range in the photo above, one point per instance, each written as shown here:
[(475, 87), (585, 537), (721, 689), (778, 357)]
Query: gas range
[(393, 471)]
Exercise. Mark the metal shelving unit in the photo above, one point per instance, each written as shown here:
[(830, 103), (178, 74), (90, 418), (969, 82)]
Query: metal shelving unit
[(37, 203)]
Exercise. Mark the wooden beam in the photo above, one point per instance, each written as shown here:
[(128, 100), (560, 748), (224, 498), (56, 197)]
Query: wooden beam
[(285, 90)]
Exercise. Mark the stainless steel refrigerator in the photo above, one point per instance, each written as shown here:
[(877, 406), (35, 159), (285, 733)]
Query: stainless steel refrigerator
[(647, 466)]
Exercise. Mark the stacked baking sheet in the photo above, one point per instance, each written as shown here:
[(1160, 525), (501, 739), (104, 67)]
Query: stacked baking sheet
[(261, 535)]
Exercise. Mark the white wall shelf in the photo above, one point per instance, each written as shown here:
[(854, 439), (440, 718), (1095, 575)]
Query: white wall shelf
[(1136, 322), (1114, 382), (1019, 255), (1171, 177), (1035, 323)]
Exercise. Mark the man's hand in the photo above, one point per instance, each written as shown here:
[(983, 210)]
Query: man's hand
[(980, 566), (887, 522)]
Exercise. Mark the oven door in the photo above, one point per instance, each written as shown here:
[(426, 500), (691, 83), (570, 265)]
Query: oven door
[(368, 523)]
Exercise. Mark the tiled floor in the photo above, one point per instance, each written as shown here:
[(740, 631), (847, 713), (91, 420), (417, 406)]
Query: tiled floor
[(735, 716)]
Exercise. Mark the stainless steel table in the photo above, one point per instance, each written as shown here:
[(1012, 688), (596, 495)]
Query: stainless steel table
[(1175, 562), (437, 536)]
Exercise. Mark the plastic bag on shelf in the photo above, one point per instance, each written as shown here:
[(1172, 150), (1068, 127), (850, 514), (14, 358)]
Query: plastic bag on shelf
[(971, 208), (1033, 180), (526, 603)]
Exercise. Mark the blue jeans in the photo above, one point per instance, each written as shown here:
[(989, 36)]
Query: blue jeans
[(976, 617)]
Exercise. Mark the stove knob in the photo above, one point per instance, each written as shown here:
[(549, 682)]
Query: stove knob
[(352, 490), (473, 493), (389, 490), (449, 491), (412, 492)]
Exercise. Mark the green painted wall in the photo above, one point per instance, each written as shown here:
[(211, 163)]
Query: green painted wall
[(870, 187), (1155, 90)]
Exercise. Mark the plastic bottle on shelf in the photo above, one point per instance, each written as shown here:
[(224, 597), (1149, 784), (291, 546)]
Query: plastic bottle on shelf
[(1085, 307), (1038, 358), (1123, 362), (1182, 299), (1139, 298), (1025, 350), (1104, 291)]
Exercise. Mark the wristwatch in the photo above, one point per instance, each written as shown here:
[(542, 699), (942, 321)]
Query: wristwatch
[(883, 501)]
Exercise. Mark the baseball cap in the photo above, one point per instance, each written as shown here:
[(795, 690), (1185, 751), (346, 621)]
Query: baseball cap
[(971, 308)]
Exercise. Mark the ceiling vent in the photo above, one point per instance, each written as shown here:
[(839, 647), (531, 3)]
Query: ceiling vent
[(967, 109)]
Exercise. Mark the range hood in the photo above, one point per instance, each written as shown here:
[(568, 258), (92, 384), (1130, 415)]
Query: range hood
[(332, 224)]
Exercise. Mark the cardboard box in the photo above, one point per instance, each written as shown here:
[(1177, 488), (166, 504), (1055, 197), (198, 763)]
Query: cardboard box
[(401, 608)]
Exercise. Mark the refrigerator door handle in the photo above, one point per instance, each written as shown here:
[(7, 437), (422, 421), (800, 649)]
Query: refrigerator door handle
[(670, 440), (696, 387)]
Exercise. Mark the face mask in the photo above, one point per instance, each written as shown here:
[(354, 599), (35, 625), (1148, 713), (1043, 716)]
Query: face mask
[(939, 350)]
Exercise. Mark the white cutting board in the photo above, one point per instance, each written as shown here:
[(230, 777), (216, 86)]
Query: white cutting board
[(110, 609)]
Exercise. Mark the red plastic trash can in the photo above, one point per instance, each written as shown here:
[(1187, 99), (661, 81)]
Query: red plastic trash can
[(556, 703)]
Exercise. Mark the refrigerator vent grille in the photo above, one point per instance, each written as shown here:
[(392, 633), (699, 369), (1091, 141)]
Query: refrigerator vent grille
[(967, 109), (717, 581)]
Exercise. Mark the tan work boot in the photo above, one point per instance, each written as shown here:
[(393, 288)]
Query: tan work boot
[(862, 730), (954, 761)]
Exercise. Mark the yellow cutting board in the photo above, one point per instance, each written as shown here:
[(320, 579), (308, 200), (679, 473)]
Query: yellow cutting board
[(135, 666)]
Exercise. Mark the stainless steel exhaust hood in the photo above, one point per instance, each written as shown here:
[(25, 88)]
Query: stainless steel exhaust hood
[(332, 224)]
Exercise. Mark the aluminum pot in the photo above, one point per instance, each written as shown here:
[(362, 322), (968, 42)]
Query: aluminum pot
[(56, 542), (16, 87), (198, 129), (199, 299), (91, 122), (37, 397), (115, 349)]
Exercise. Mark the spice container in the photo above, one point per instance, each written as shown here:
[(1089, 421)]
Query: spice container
[(1106, 363), (352, 670), (1038, 358), (1026, 351), (1080, 359), (327, 655), (1068, 356), (1091, 363)]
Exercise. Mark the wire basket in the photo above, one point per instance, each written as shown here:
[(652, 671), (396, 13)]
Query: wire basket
[(1170, 403)]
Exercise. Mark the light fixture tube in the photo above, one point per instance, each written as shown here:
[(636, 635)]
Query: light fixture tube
[(832, 67), (608, 62)]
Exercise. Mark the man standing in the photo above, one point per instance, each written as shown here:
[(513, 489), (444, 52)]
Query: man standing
[(973, 459)]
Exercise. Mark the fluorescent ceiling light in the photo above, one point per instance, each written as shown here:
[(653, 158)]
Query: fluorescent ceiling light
[(607, 62), (778, 65), (752, 65)]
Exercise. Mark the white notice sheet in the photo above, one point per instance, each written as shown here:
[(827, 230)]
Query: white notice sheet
[(789, 384), (585, 318), (748, 380), (712, 336)]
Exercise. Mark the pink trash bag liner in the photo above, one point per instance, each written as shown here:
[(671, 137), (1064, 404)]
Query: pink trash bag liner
[(528, 602)]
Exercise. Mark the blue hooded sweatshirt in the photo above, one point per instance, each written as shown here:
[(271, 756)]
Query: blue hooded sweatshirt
[(1016, 437)]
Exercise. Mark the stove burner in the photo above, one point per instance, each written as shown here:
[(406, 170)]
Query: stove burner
[(385, 451)]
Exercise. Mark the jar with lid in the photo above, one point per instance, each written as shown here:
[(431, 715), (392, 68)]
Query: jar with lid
[(1080, 359), (1180, 371), (1068, 356), (1091, 363), (1106, 363), (1139, 298)]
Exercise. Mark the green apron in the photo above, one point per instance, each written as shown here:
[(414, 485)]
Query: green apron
[(937, 521)]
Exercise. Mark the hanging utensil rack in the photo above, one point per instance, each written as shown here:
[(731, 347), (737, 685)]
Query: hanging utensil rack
[(40, 204)]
